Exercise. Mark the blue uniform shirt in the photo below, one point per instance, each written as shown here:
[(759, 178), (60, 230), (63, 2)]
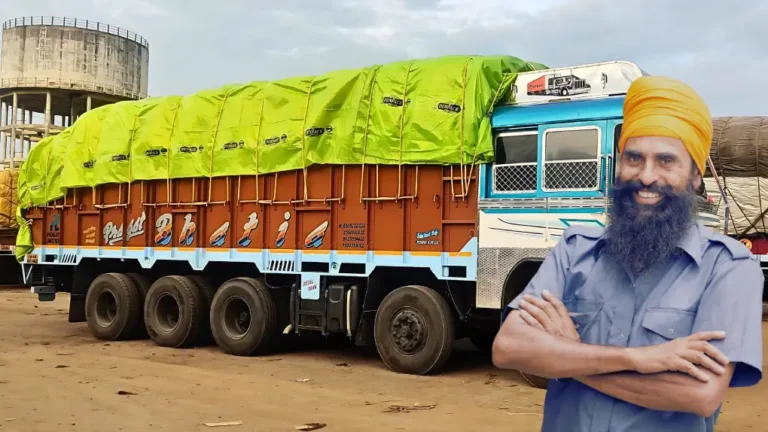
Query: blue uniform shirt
[(711, 283)]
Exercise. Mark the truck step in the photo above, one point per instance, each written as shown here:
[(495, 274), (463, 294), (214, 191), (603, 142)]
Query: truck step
[(45, 293), (311, 313), (309, 327)]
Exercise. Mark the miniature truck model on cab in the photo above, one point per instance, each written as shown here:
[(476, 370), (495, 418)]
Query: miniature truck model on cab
[(391, 250)]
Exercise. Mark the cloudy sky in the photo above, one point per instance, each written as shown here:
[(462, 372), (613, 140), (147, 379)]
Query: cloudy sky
[(195, 44)]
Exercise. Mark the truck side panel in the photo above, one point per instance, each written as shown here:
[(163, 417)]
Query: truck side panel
[(342, 217)]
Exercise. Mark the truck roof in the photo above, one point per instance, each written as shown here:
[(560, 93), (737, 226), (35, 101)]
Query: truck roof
[(516, 116)]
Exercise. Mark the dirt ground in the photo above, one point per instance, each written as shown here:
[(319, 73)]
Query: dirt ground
[(55, 377)]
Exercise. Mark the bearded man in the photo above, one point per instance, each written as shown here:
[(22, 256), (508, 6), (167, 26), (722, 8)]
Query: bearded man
[(645, 324)]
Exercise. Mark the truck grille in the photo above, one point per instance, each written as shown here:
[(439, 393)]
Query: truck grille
[(494, 264), (514, 178)]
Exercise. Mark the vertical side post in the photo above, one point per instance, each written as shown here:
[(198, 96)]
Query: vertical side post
[(48, 119), (13, 128), (3, 122), (26, 119)]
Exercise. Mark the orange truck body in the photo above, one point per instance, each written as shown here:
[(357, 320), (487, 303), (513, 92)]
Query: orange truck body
[(418, 210)]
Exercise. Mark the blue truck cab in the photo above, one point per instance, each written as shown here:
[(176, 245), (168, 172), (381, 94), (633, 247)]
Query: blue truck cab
[(555, 159)]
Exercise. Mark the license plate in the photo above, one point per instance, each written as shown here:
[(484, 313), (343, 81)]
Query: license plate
[(31, 258), (5, 248)]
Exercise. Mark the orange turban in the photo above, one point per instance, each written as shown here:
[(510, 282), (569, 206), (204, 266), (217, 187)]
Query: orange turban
[(658, 106)]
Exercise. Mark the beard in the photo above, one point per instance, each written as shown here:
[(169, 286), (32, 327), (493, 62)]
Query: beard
[(640, 236)]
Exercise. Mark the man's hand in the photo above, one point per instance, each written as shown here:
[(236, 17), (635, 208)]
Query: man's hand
[(682, 355), (549, 315)]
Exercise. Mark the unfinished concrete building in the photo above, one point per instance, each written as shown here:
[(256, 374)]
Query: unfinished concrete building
[(53, 70)]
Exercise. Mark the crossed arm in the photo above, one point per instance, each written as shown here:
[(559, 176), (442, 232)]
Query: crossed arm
[(665, 391), (648, 377)]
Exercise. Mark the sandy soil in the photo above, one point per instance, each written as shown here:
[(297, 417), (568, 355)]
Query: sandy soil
[(55, 377)]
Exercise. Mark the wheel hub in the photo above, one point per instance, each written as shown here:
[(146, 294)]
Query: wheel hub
[(106, 309), (237, 318), (168, 313), (408, 331)]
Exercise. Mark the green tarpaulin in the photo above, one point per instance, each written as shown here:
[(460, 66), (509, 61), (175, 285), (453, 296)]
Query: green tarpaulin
[(429, 111)]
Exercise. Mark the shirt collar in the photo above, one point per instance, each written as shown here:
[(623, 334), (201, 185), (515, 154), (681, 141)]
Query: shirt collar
[(690, 243)]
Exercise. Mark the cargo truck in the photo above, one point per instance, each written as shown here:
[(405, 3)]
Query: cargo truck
[(433, 209), (738, 152)]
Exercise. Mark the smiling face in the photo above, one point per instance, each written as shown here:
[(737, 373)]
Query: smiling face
[(657, 162), (654, 201)]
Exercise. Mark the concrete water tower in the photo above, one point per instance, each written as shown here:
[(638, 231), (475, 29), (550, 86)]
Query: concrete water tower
[(53, 70)]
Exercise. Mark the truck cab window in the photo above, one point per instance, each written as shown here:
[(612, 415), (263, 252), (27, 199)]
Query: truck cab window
[(516, 156), (572, 159)]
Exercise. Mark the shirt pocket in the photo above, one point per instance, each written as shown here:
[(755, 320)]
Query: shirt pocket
[(585, 315), (666, 324)]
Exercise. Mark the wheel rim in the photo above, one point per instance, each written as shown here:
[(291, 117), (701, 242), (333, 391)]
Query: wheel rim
[(408, 329), (168, 312), (106, 309), (236, 318)]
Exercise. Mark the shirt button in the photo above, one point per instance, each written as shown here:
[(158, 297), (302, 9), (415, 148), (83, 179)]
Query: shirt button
[(621, 336), (671, 331)]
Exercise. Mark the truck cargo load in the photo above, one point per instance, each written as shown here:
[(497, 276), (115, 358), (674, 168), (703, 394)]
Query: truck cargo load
[(10, 270), (432, 111), (739, 153), (9, 198)]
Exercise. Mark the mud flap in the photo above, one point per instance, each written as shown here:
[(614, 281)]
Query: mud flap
[(77, 308)]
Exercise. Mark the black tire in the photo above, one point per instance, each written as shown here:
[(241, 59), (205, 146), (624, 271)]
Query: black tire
[(244, 317), (205, 337), (174, 311), (142, 284), (426, 324), (206, 288), (113, 307)]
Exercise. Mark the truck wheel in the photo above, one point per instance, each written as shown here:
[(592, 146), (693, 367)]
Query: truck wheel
[(207, 290), (414, 330), (113, 307), (142, 284), (173, 311), (244, 317)]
